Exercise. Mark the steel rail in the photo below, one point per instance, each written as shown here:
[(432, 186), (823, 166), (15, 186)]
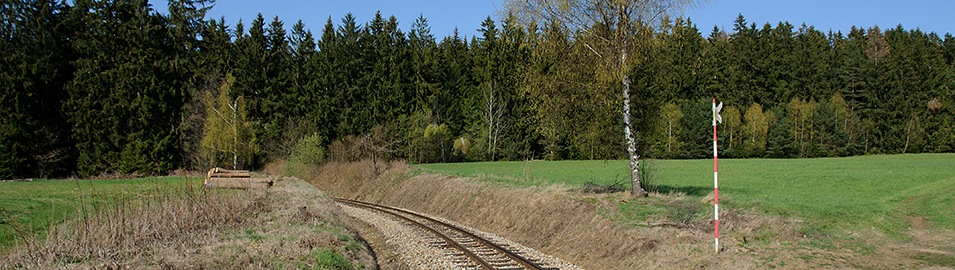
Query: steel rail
[(484, 242)]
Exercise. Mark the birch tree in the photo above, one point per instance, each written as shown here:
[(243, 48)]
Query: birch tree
[(492, 111), (611, 28), (227, 129), (755, 128)]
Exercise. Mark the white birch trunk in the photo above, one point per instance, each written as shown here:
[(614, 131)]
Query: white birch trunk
[(636, 188)]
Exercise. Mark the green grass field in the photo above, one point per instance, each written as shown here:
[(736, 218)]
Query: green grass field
[(32, 207), (828, 193)]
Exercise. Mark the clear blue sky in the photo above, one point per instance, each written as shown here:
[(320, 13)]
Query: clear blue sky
[(838, 15), (444, 15)]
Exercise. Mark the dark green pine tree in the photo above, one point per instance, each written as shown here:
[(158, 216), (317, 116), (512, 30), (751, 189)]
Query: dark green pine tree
[(216, 51), (522, 134), (490, 94), (251, 72), (306, 105), (277, 98), (744, 65), (718, 68), (196, 66), (347, 65), (424, 66), (186, 22), (852, 78), (682, 59), (125, 99), (452, 102), (697, 129), (401, 72), (810, 57), (779, 141), (35, 138), (301, 74), (388, 81), (326, 81), (913, 73), (775, 84), (948, 49)]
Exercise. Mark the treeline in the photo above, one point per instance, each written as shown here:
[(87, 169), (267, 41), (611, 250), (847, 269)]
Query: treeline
[(103, 86)]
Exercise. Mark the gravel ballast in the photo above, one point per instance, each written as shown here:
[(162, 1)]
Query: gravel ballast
[(421, 250)]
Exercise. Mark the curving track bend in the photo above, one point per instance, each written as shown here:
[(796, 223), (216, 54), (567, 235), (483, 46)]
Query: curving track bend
[(474, 252)]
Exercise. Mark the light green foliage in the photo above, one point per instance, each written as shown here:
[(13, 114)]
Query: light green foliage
[(436, 131), (308, 153), (669, 125), (227, 137), (427, 142), (437, 136), (754, 130), (462, 146), (801, 115), (731, 127), (309, 150)]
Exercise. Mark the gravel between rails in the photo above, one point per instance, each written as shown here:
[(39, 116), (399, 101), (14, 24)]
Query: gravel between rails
[(421, 250)]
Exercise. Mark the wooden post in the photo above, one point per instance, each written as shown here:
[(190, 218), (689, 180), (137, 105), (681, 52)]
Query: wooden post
[(716, 185)]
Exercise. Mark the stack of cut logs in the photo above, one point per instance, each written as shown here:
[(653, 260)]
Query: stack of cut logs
[(240, 179)]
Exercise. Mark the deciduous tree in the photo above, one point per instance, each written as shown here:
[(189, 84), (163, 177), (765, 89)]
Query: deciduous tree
[(616, 29), (228, 130)]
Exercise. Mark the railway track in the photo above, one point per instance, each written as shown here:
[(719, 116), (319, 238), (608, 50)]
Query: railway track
[(473, 251)]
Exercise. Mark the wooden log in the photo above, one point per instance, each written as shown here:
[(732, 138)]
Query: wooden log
[(18, 180), (230, 175), (221, 170)]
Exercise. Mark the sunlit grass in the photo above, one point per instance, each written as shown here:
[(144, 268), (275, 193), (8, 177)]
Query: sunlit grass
[(829, 193)]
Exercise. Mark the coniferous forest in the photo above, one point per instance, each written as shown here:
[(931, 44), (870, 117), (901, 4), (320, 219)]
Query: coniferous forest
[(113, 86)]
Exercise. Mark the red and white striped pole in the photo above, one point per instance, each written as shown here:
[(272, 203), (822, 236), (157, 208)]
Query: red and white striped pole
[(716, 185)]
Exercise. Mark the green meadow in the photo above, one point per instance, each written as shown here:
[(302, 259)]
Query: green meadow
[(29, 208), (830, 194)]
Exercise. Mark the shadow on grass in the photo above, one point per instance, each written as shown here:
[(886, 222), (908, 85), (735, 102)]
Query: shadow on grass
[(594, 188), (691, 191)]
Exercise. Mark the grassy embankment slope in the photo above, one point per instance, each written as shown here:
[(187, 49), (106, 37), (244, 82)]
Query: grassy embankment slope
[(831, 195)]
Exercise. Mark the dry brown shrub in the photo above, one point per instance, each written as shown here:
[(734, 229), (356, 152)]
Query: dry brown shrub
[(116, 175), (342, 150), (276, 167)]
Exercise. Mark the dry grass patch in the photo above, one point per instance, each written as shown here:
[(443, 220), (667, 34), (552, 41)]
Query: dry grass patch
[(292, 225)]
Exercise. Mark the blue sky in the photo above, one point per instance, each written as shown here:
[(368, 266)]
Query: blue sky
[(444, 15)]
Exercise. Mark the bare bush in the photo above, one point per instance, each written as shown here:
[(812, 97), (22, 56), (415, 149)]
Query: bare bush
[(341, 150)]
